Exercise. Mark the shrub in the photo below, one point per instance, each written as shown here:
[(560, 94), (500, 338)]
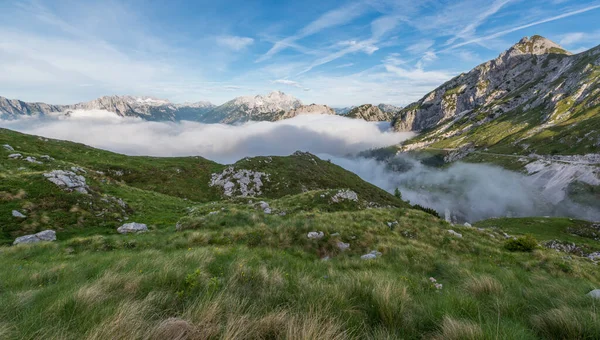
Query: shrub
[(524, 243), (427, 210)]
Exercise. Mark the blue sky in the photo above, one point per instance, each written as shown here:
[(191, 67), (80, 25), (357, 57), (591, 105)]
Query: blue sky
[(338, 53)]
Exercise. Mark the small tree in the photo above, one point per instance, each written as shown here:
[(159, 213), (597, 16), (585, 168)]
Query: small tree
[(397, 193)]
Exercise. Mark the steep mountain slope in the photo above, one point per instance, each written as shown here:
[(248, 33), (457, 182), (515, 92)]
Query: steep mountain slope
[(370, 113), (315, 253), (147, 108), (386, 109), (307, 109), (534, 98), (252, 108)]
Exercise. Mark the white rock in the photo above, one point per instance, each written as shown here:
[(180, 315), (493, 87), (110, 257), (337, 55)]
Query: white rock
[(343, 246), (8, 147), (213, 213), (46, 158), (455, 233), (68, 180), (132, 228), (32, 160), (18, 214), (345, 195), (335, 234), (468, 225), (315, 235), (372, 255), (594, 293), (241, 182), (267, 211), (391, 224), (46, 235), (15, 156)]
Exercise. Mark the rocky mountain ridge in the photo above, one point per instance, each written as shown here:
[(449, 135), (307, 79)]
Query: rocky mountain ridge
[(373, 113), (533, 95)]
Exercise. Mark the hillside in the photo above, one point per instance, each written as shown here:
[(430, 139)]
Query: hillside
[(534, 98), (270, 247)]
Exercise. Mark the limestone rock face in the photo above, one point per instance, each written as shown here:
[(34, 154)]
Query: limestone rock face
[(370, 113), (308, 110), (43, 236), (344, 195), (240, 182), (68, 180)]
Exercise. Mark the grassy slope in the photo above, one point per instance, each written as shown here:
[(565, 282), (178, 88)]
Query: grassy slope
[(242, 274)]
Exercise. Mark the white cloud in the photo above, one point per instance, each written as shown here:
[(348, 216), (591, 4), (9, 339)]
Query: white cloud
[(333, 135), (468, 31), (329, 19), (234, 42), (287, 82), (420, 47)]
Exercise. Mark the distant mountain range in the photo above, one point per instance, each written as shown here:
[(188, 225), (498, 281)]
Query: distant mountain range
[(535, 97), (271, 107)]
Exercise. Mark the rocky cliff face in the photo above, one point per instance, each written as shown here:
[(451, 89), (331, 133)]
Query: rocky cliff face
[(308, 110), (532, 87), (11, 108), (371, 113)]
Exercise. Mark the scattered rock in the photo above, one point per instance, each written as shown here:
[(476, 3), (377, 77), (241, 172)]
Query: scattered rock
[(343, 246), (68, 180), (178, 226), (594, 293), (32, 160), (47, 158), (335, 234), (241, 182), (391, 225), (213, 213), (132, 228), (372, 255), (18, 214), (283, 213), (46, 236), (345, 195), (454, 233), (506, 235), (315, 235), (8, 147), (15, 156), (468, 225)]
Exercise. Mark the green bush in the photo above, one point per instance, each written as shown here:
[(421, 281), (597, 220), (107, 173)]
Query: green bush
[(523, 243), (427, 210)]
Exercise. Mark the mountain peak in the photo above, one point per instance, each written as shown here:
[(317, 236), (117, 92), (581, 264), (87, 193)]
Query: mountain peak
[(536, 45)]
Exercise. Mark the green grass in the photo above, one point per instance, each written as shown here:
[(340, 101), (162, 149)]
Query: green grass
[(543, 229), (232, 271)]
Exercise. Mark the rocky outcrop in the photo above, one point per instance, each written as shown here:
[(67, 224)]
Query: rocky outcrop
[(68, 180), (308, 110), (43, 236), (344, 195), (370, 113), (239, 182)]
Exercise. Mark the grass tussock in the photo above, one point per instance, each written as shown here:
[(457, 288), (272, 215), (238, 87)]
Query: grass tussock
[(454, 329), (567, 323), (483, 285)]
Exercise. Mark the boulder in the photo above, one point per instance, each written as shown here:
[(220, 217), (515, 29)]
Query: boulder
[(43, 236), (8, 147), (15, 156), (594, 293), (47, 158), (343, 246), (454, 233), (17, 214), (372, 255), (345, 195), (315, 235), (132, 228), (32, 160), (468, 225)]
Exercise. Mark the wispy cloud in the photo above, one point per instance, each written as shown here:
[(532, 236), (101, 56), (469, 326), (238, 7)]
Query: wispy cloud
[(469, 30), (288, 83), (234, 42), (330, 19), (520, 27)]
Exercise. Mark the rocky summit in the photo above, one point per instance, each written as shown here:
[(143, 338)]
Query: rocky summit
[(534, 97)]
